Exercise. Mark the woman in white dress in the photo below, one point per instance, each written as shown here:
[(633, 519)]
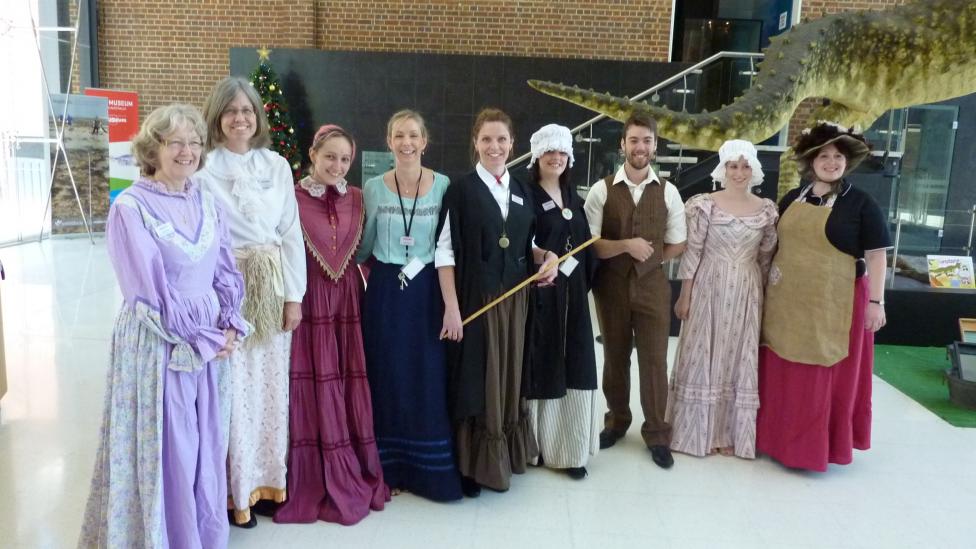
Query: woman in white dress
[(256, 188)]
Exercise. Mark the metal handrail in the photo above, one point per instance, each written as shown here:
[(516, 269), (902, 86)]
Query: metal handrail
[(972, 227), (664, 83)]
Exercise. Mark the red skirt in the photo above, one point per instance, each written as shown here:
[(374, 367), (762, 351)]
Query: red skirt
[(334, 471), (810, 415)]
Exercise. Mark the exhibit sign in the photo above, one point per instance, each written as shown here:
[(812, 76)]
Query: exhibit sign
[(123, 125), (951, 271), (81, 192)]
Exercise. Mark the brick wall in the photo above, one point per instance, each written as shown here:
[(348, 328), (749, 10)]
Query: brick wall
[(168, 52), (583, 29), (818, 8)]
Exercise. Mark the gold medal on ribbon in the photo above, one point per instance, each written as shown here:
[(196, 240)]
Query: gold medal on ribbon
[(503, 242)]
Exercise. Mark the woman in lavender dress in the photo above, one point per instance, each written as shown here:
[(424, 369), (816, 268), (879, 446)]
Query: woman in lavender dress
[(160, 471)]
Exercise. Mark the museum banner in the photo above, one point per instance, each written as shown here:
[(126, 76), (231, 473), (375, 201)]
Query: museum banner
[(123, 125)]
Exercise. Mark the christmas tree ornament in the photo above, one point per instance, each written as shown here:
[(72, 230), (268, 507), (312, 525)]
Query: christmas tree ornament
[(283, 138)]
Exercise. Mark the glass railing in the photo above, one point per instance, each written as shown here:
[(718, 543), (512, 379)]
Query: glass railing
[(24, 183), (916, 244), (915, 146), (888, 131)]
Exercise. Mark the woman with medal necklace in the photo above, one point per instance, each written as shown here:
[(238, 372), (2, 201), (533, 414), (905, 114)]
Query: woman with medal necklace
[(561, 375), (485, 247), (402, 317)]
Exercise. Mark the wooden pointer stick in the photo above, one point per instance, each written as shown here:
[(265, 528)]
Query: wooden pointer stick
[(528, 281)]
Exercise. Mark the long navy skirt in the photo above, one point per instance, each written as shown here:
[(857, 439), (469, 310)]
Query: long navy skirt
[(408, 378)]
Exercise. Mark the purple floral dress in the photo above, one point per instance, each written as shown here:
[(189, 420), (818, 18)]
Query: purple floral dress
[(160, 473)]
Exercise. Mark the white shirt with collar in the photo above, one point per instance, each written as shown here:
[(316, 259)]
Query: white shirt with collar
[(444, 252), (675, 232), (498, 188), (257, 192)]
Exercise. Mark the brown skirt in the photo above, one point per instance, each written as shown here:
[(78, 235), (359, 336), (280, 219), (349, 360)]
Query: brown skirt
[(492, 446)]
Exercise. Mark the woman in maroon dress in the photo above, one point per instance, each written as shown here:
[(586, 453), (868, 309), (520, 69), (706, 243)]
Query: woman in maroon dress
[(334, 471)]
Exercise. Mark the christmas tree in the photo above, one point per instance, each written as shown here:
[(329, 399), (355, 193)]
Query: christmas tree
[(283, 140)]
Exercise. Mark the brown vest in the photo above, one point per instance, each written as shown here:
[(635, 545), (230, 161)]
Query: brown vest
[(622, 220)]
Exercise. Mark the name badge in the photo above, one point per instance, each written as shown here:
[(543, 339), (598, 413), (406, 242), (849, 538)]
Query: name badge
[(548, 206), (567, 267), (407, 241), (412, 268), (518, 200), (165, 230)]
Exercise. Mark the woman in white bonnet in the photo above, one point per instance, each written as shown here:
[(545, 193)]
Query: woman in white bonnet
[(561, 376), (714, 392)]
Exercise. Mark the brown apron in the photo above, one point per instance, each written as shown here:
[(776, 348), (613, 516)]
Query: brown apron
[(810, 295)]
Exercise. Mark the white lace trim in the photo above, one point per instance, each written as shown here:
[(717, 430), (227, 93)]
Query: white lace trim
[(317, 189), (183, 358), (249, 174), (195, 251)]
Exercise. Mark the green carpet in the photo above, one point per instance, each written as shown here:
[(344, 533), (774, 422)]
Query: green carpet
[(917, 372)]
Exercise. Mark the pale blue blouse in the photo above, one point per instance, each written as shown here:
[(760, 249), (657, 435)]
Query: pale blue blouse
[(385, 226)]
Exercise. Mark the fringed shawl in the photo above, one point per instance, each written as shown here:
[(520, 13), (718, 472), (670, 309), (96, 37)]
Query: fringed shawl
[(332, 235)]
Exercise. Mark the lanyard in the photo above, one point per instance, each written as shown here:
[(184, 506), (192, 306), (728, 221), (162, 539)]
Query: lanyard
[(407, 226), (503, 241)]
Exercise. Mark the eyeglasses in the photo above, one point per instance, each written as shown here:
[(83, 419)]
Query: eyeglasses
[(177, 146), (247, 112)]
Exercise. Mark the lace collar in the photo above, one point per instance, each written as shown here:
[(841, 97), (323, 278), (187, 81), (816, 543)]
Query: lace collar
[(160, 188), (248, 174), (317, 189)]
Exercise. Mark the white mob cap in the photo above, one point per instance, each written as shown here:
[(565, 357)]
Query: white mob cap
[(551, 137), (732, 150)]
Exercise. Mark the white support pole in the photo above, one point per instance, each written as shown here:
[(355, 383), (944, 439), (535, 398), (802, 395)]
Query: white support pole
[(60, 151)]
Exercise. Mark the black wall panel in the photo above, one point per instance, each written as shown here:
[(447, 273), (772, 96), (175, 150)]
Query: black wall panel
[(360, 90)]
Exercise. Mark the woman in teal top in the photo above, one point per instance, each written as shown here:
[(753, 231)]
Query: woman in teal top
[(385, 226), (402, 318)]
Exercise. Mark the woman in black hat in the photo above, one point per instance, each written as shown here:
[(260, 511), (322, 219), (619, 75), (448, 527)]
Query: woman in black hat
[(824, 301)]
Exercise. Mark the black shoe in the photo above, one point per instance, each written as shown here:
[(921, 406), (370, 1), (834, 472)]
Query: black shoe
[(609, 437), (662, 456), (576, 473), (249, 524), (265, 508), (470, 488)]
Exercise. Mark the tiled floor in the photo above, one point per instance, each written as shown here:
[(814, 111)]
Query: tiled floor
[(915, 488)]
